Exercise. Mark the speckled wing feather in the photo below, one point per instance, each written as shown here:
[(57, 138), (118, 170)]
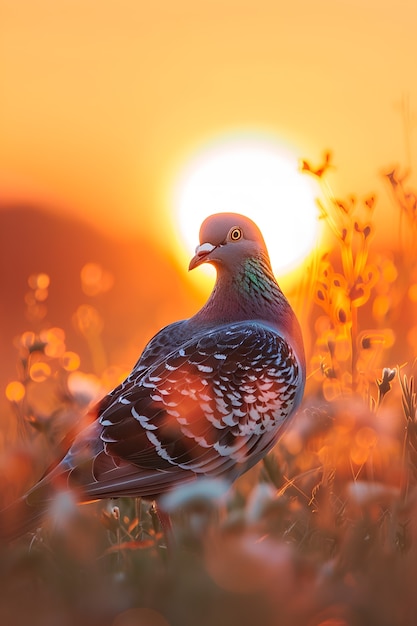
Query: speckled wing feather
[(158, 347), (214, 405)]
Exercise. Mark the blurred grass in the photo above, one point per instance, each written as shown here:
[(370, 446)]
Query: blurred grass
[(322, 533)]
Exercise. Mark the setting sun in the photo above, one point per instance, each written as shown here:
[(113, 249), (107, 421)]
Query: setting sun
[(260, 179)]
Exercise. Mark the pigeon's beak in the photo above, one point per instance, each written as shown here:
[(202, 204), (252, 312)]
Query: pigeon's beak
[(201, 253)]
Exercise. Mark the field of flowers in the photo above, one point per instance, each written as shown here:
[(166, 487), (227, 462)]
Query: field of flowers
[(322, 533)]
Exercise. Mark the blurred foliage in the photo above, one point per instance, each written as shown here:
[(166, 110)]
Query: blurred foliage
[(322, 533)]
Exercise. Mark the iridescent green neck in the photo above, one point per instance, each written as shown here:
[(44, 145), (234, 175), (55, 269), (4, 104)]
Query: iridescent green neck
[(256, 280), (248, 292)]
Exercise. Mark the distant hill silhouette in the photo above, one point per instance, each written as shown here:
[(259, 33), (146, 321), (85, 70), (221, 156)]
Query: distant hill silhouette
[(147, 293)]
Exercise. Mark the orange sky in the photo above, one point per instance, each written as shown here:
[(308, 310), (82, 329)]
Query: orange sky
[(103, 100)]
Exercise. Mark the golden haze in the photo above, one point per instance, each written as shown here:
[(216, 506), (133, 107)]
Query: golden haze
[(103, 102)]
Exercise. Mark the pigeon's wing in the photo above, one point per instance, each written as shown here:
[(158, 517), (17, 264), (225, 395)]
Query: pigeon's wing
[(214, 405), (160, 346)]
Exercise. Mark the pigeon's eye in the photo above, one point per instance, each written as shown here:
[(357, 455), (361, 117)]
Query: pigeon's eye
[(235, 234)]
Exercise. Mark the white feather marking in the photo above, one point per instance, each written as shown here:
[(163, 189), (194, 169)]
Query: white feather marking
[(235, 450), (106, 422), (266, 385), (222, 407), (158, 447), (266, 396), (204, 368), (136, 415), (231, 419), (254, 413), (142, 419), (108, 439), (217, 423)]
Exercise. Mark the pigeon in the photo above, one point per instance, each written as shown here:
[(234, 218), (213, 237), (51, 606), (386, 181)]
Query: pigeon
[(208, 397)]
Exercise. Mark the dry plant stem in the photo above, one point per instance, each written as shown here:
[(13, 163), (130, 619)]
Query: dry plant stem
[(409, 403), (138, 515), (348, 270), (347, 261), (166, 525), (354, 346), (404, 482), (118, 543)]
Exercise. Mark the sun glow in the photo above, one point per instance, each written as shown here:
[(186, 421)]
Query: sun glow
[(260, 179)]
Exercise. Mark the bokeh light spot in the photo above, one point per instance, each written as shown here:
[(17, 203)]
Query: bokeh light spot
[(389, 272), (359, 455), (95, 280), (54, 339), (39, 281), (39, 372), (381, 306), (70, 361), (412, 292), (27, 339), (88, 320), (15, 391), (366, 437), (412, 338), (84, 388), (41, 295)]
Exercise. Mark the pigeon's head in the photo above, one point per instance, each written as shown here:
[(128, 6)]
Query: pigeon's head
[(227, 240)]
